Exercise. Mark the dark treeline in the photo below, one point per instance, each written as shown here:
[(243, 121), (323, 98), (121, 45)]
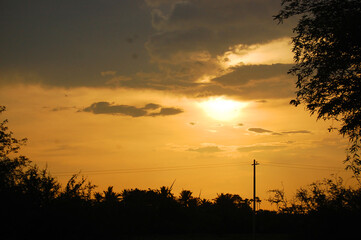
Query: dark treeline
[(33, 204)]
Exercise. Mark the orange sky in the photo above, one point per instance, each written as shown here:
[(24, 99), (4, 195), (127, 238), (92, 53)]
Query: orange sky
[(142, 93)]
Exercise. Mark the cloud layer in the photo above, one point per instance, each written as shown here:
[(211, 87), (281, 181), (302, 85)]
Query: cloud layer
[(150, 109), (262, 131), (196, 48), (212, 25)]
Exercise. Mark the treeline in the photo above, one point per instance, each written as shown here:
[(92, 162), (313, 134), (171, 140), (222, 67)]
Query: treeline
[(33, 204)]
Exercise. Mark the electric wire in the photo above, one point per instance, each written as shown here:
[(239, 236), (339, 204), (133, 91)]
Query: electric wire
[(303, 166), (151, 169), (199, 166)]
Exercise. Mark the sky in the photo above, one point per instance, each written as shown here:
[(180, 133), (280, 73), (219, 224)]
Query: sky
[(142, 93)]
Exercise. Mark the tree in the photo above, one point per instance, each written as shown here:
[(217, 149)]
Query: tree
[(110, 197), (18, 176), (77, 190), (187, 200), (231, 201), (10, 165), (327, 54)]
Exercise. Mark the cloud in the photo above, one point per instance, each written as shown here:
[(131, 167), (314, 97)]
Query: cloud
[(107, 108), (259, 130), (167, 112), (56, 109), (214, 25), (193, 39), (259, 148), (241, 75), (238, 125), (297, 131), (273, 52), (181, 47), (151, 106), (126, 110), (73, 51), (108, 73), (207, 149), (251, 82)]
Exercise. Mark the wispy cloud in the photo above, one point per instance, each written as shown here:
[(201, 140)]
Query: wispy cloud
[(262, 130), (206, 149), (297, 131), (261, 147), (259, 130)]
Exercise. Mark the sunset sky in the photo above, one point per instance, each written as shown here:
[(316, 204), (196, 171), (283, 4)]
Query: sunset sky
[(139, 93)]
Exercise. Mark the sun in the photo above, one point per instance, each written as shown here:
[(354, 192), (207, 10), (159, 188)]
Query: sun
[(222, 109)]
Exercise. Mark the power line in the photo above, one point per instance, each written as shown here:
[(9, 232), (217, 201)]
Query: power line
[(153, 169), (303, 166), (197, 166)]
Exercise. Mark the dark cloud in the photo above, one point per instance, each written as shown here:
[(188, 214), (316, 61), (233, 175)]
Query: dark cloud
[(167, 112), (214, 25), (108, 108), (259, 130), (151, 106), (56, 109), (67, 44), (251, 87), (208, 149), (191, 35), (242, 75), (176, 45)]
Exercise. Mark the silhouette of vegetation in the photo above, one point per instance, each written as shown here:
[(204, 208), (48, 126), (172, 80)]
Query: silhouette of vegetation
[(327, 52), (324, 207), (34, 204)]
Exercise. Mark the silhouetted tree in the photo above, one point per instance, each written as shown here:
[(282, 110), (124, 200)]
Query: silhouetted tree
[(39, 186), (187, 200), (18, 176), (77, 189), (323, 207), (108, 196), (26, 192), (279, 199), (327, 52), (166, 192), (229, 201), (11, 166)]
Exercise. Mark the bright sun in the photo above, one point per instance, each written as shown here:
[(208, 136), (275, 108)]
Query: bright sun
[(222, 109)]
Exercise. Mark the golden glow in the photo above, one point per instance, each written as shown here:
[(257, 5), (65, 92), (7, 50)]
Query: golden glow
[(222, 109), (277, 51)]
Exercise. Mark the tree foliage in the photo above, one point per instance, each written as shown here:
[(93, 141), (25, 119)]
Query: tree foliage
[(327, 54), (326, 206)]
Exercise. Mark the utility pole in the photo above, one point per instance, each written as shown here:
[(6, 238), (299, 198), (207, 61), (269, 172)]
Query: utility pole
[(255, 163)]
